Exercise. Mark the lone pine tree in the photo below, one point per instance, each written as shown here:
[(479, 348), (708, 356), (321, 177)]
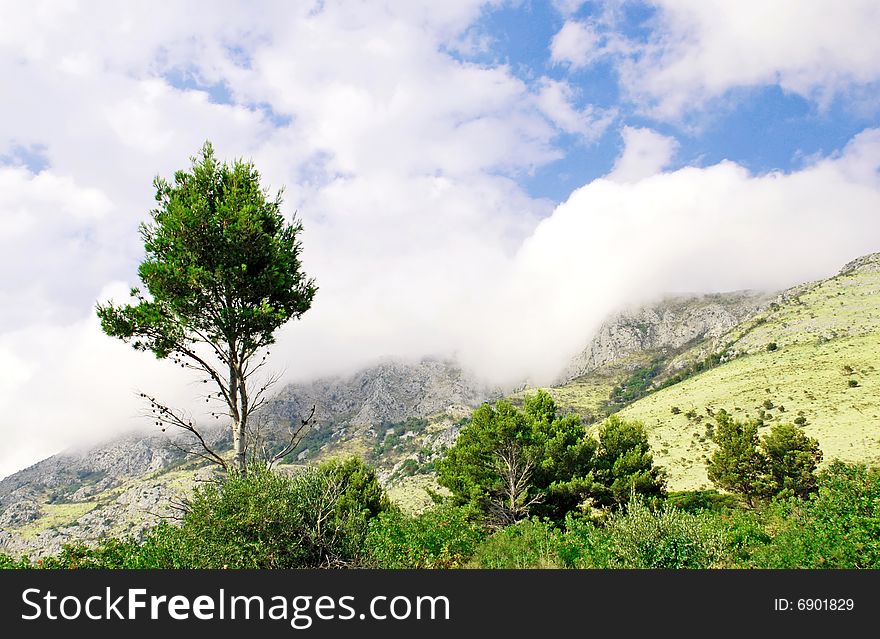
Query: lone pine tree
[(222, 273)]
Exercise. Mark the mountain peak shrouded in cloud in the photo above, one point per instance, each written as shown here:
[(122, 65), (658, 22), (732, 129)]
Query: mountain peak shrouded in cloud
[(484, 180)]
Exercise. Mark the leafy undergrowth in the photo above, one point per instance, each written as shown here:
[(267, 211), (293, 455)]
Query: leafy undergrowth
[(270, 522)]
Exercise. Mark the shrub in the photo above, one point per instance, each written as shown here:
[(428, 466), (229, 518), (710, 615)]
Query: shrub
[(315, 518), (663, 538), (784, 462), (772, 346), (792, 459), (697, 500), (853, 383), (838, 527), (530, 543), (639, 537), (624, 465), (442, 537)]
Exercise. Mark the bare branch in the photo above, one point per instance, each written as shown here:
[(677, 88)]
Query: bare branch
[(295, 438), (165, 416)]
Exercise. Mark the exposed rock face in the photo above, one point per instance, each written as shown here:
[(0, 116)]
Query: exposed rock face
[(75, 475), (866, 263), (673, 323), (388, 393)]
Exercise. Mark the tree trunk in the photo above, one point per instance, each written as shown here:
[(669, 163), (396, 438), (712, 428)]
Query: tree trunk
[(238, 432)]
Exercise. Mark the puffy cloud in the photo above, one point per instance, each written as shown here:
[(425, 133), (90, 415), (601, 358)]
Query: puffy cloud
[(698, 50), (397, 154), (403, 161), (645, 153), (576, 44), (716, 228)]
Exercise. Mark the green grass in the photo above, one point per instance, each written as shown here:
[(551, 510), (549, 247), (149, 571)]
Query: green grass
[(56, 516)]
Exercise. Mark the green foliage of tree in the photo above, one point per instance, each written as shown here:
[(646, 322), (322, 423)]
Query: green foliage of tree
[(792, 460), (513, 464), (359, 490), (510, 464), (317, 517), (838, 526), (623, 465), (222, 273), (737, 465), (782, 463), (697, 500)]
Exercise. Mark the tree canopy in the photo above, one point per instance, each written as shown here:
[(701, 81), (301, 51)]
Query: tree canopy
[(511, 464), (783, 462)]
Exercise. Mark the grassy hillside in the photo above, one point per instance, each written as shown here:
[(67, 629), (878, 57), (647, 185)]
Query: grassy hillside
[(813, 355)]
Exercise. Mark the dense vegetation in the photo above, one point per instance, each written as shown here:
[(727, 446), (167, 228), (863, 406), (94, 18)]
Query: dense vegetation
[(336, 514), (837, 526)]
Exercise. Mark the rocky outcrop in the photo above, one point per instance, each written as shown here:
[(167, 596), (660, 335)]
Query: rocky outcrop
[(390, 392), (866, 263), (121, 488), (673, 323)]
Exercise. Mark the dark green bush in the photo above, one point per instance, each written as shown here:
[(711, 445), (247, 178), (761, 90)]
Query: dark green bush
[(317, 517), (696, 500)]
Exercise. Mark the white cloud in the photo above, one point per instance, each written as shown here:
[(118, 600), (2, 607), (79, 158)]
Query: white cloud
[(716, 228), (645, 153), (568, 7), (394, 152), (576, 44), (700, 49), (555, 100)]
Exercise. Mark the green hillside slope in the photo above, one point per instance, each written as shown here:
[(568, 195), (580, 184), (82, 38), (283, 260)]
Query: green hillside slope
[(813, 355)]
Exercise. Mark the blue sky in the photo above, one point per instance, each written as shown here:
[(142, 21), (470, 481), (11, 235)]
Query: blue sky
[(761, 127), (485, 180)]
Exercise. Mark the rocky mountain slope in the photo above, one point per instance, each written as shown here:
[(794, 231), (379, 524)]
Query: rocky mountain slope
[(671, 324), (128, 484), (809, 356)]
